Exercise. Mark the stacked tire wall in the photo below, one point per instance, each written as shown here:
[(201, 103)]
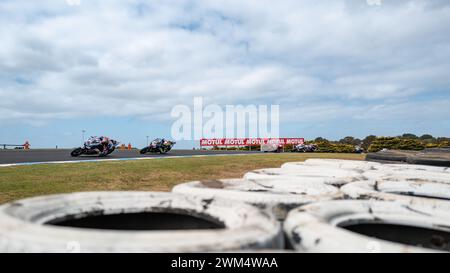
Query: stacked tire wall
[(320, 205)]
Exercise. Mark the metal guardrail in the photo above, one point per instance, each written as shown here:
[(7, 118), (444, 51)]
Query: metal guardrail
[(11, 145)]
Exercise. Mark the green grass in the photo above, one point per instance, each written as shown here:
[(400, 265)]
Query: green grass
[(142, 175)]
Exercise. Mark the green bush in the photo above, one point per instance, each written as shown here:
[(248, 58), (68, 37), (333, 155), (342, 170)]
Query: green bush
[(394, 143), (324, 147), (328, 147), (444, 144), (344, 148), (431, 145)]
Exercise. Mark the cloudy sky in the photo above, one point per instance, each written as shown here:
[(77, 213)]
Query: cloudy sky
[(117, 67)]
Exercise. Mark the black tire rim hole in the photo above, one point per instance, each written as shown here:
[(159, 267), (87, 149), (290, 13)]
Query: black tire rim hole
[(408, 235), (138, 221)]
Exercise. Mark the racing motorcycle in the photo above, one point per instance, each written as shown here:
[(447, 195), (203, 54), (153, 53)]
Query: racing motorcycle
[(359, 149), (158, 146), (93, 146), (305, 148)]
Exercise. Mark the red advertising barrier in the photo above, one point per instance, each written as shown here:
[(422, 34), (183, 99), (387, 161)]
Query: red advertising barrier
[(249, 141)]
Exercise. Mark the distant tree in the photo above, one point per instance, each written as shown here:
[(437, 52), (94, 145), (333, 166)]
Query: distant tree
[(367, 141), (426, 136), (321, 139), (429, 140), (349, 140), (443, 139), (410, 136)]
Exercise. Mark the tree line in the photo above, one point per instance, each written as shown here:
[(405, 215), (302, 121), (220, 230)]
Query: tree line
[(370, 143), (374, 143)]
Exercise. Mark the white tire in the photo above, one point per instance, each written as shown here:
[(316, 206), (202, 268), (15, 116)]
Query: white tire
[(411, 167), (342, 164), (333, 176), (407, 175), (406, 168), (330, 227), (403, 191), (24, 224), (337, 182), (278, 197)]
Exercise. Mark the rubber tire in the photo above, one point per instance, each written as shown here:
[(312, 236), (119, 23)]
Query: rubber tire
[(22, 226), (437, 150), (408, 168), (437, 157), (143, 150), (428, 161), (315, 227), (275, 196), (428, 193), (332, 176), (389, 157), (111, 150), (408, 175), (77, 152), (356, 165)]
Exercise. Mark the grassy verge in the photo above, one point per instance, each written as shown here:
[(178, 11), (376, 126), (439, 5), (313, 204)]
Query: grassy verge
[(145, 175)]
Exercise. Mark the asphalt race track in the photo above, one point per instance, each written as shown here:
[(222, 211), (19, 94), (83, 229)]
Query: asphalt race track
[(50, 155)]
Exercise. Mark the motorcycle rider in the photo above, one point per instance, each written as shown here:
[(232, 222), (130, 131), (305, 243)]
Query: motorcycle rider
[(104, 144), (160, 145), (101, 146), (104, 141), (157, 142)]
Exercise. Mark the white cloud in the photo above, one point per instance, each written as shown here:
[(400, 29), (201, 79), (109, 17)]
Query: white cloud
[(138, 58)]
